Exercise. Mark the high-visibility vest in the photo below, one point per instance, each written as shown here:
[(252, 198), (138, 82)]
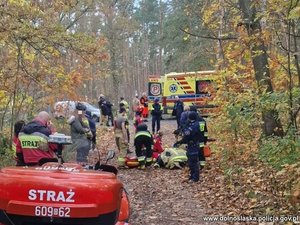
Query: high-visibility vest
[(142, 133)]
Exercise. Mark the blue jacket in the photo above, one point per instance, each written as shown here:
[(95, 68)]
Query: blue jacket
[(178, 107), (92, 123), (191, 137), (184, 118)]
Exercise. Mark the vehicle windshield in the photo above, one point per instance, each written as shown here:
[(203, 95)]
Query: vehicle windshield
[(89, 106)]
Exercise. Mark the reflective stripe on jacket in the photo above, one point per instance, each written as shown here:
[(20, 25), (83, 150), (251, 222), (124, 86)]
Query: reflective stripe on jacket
[(34, 142), (143, 133), (172, 156)]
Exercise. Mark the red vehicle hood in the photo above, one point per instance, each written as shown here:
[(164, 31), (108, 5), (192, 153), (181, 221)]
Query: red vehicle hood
[(84, 193)]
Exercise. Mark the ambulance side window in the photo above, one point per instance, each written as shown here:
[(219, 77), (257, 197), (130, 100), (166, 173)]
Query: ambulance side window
[(203, 87)]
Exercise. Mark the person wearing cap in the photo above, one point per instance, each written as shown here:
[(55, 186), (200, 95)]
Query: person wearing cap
[(192, 137), (177, 110), (121, 136), (204, 136), (80, 133), (156, 112)]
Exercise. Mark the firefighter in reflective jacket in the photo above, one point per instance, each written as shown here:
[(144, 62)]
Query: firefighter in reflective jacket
[(143, 145), (192, 137), (172, 158), (34, 141)]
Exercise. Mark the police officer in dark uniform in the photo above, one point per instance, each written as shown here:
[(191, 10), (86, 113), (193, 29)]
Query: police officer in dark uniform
[(203, 136), (192, 137), (203, 140)]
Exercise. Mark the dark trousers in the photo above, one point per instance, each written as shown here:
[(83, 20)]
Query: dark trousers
[(82, 147), (93, 140), (139, 150), (178, 121), (155, 120), (201, 154), (193, 162), (110, 120), (140, 143)]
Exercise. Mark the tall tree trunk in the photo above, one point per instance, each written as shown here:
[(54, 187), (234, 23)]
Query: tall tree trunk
[(296, 58), (160, 63), (112, 51), (272, 124)]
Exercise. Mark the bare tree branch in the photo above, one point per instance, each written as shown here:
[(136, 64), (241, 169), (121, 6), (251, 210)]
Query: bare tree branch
[(209, 37), (82, 12)]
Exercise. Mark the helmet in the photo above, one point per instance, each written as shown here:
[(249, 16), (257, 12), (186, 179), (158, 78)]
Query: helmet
[(193, 116), (80, 106), (142, 127)]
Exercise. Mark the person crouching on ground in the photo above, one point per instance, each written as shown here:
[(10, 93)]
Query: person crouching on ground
[(157, 145), (138, 120), (143, 139)]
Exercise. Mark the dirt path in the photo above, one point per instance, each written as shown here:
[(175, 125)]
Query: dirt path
[(161, 196)]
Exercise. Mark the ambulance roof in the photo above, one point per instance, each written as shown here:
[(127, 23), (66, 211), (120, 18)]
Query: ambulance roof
[(196, 73)]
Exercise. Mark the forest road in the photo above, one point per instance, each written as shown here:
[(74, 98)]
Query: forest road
[(162, 196)]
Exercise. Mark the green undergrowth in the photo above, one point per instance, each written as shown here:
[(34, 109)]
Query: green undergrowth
[(277, 151)]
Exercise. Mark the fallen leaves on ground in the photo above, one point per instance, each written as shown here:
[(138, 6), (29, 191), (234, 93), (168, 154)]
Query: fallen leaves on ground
[(161, 196)]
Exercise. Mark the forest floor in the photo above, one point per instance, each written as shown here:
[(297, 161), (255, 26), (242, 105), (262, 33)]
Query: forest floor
[(163, 197)]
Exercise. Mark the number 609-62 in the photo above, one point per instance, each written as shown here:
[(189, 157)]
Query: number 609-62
[(52, 211)]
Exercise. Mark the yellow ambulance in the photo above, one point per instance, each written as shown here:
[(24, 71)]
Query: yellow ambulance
[(193, 88)]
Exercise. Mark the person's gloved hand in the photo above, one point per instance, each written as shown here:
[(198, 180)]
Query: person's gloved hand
[(89, 134), (86, 130)]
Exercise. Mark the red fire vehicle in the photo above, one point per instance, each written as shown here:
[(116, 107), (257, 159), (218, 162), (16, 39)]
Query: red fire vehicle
[(61, 194)]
